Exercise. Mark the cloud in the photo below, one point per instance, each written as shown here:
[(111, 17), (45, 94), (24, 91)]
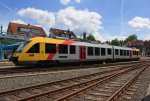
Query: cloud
[(79, 21), (18, 21), (140, 23), (66, 2), (107, 37), (44, 18)]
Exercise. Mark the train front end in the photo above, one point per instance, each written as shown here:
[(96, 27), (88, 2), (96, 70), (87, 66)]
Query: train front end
[(15, 57)]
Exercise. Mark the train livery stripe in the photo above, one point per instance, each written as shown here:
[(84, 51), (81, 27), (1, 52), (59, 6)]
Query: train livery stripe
[(50, 56), (67, 42)]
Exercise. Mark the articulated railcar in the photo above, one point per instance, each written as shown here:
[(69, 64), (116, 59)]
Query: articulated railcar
[(41, 50)]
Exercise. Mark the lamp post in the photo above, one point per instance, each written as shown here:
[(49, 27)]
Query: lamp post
[(1, 29), (1, 47)]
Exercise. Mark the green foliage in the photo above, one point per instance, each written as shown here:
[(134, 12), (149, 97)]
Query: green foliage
[(108, 42), (130, 38), (117, 42), (91, 38), (98, 41), (148, 51)]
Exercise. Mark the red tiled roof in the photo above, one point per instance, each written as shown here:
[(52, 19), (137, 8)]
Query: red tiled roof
[(59, 32), (13, 28), (135, 43)]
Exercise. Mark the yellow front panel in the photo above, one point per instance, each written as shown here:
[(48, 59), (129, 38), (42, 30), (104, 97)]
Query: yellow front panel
[(28, 57)]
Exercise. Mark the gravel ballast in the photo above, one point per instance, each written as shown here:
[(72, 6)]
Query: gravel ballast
[(18, 81), (143, 88)]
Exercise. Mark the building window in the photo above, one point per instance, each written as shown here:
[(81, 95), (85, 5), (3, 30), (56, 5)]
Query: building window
[(36, 31), (72, 49), (103, 51), (97, 51), (34, 49), (116, 51), (90, 51), (63, 49), (28, 30), (109, 51), (121, 52), (50, 48), (24, 29)]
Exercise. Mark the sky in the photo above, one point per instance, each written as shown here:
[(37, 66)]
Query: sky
[(105, 19)]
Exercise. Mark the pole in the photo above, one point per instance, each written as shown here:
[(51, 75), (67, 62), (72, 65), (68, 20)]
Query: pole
[(1, 46), (1, 29)]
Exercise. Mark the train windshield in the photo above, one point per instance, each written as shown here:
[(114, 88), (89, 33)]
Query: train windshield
[(22, 46)]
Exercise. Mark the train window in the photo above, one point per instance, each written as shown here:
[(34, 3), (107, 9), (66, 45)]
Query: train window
[(63, 49), (22, 46), (72, 49), (127, 52), (116, 51), (121, 52), (133, 52), (90, 50), (97, 51), (109, 51), (34, 49), (50, 48), (136, 52), (103, 51)]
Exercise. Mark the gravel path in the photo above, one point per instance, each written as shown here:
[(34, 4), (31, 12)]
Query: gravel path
[(142, 89)]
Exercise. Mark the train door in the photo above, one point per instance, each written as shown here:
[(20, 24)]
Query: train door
[(82, 52), (43, 56)]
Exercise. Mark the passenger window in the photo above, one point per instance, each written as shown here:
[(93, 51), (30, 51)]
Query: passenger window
[(116, 51), (63, 49), (127, 52), (90, 51), (121, 52), (97, 51), (109, 51), (103, 51), (72, 49), (50, 48), (34, 49)]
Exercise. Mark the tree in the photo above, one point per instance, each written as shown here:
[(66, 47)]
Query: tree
[(130, 38), (91, 38), (117, 42), (108, 42)]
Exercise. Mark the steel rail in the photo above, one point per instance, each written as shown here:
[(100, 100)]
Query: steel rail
[(68, 87), (73, 94), (37, 86), (127, 84), (58, 90)]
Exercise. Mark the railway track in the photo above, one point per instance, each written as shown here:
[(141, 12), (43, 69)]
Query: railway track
[(61, 89), (20, 70)]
